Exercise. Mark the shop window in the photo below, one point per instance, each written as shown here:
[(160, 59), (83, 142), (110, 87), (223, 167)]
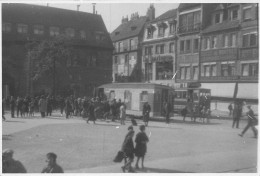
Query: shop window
[(164, 70), (38, 29), (6, 27), (22, 28), (144, 96)]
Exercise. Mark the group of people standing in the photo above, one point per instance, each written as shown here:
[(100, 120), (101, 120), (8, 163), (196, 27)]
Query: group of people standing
[(139, 150)]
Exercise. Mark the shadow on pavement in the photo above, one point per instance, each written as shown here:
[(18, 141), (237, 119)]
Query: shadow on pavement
[(157, 170)]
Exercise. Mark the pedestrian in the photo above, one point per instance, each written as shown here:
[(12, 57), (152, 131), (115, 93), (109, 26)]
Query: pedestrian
[(85, 107), (19, 104), (31, 108), (252, 122), (106, 110), (42, 106), (9, 165), (113, 110), (68, 107), (141, 140), (91, 110), (236, 115), (122, 113), (12, 106), (230, 109), (52, 166), (190, 109), (146, 113), (49, 106), (184, 112), (167, 111), (128, 149)]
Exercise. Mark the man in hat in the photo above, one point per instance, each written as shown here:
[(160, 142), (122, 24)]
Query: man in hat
[(52, 166), (146, 113), (252, 121), (10, 165)]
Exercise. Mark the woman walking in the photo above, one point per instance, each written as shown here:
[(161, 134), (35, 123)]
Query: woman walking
[(140, 148), (128, 149)]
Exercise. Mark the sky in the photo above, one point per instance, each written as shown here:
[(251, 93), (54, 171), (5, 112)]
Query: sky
[(112, 13)]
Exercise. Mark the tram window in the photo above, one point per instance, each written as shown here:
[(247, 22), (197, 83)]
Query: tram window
[(144, 96)]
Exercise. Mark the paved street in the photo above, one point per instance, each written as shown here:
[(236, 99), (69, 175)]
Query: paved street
[(87, 148)]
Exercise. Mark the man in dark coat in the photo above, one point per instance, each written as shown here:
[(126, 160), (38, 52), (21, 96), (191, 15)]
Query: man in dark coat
[(91, 110), (12, 106), (252, 121), (146, 113), (52, 166), (128, 149), (113, 108), (68, 108), (140, 149), (19, 104), (236, 115), (167, 111), (9, 165)]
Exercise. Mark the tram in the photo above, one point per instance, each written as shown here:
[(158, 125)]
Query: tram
[(134, 95), (198, 97)]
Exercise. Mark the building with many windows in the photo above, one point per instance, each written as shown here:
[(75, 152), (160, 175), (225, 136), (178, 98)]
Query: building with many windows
[(159, 49), (127, 53), (229, 52), (191, 20), (89, 66)]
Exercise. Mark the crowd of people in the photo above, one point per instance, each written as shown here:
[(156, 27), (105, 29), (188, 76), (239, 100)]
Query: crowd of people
[(88, 108)]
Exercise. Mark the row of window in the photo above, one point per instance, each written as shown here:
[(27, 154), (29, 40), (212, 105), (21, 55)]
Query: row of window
[(161, 30), (53, 31), (228, 69), (186, 46), (159, 49), (120, 47)]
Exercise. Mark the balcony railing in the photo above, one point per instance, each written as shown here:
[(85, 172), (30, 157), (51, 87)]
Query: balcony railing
[(189, 28)]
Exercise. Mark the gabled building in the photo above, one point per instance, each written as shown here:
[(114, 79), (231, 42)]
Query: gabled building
[(127, 53), (192, 18), (159, 49), (229, 52), (89, 66)]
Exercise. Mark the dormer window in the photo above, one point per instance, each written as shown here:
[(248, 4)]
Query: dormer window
[(217, 18), (133, 28), (149, 33), (161, 31)]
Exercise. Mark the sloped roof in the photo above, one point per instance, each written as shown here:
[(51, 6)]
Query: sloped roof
[(221, 26), (50, 16), (125, 30), (169, 14), (185, 6)]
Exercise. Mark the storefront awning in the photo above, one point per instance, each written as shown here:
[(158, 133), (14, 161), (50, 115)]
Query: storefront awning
[(247, 90)]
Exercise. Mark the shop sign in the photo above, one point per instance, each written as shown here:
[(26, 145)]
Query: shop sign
[(165, 58)]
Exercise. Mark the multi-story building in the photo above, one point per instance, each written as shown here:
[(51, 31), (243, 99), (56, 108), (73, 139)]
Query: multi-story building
[(127, 53), (89, 66), (159, 49), (229, 52), (191, 20)]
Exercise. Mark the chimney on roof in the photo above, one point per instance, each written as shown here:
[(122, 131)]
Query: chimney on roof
[(94, 10), (151, 12), (134, 16), (124, 20), (78, 7)]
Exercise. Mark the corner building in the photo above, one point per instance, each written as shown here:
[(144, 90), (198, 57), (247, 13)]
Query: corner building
[(89, 66)]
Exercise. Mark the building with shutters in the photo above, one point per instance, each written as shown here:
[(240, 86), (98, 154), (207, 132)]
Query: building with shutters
[(229, 52), (89, 66), (127, 53), (159, 49)]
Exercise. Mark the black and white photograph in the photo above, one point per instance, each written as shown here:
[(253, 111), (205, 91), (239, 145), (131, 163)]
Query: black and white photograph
[(129, 87)]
